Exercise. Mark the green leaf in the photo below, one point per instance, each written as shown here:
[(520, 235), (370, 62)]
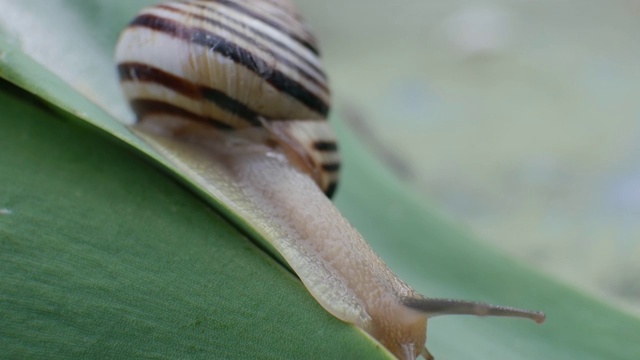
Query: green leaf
[(101, 256), (433, 256)]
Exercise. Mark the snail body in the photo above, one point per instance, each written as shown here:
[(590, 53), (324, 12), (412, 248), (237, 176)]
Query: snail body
[(243, 80)]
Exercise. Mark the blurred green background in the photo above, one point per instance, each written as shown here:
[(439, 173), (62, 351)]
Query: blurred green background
[(519, 119)]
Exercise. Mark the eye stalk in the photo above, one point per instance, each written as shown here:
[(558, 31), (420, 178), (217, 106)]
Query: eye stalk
[(436, 307)]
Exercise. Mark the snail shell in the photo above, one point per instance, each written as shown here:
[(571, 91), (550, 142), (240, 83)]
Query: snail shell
[(233, 65), (236, 73)]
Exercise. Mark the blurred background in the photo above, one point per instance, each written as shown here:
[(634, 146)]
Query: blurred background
[(519, 119)]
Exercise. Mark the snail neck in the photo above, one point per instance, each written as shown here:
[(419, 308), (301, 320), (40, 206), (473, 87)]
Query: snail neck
[(332, 259)]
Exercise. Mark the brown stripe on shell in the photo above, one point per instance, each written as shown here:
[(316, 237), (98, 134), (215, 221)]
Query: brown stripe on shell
[(139, 72), (308, 43), (321, 83), (237, 54), (146, 108), (264, 36), (331, 189), (330, 167), (325, 145)]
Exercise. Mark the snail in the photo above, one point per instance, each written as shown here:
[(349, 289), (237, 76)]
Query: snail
[(244, 80)]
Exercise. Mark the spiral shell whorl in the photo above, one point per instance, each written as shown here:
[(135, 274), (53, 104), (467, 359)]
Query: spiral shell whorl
[(232, 64)]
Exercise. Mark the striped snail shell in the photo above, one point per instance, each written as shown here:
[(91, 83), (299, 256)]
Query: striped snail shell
[(246, 75), (232, 65)]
